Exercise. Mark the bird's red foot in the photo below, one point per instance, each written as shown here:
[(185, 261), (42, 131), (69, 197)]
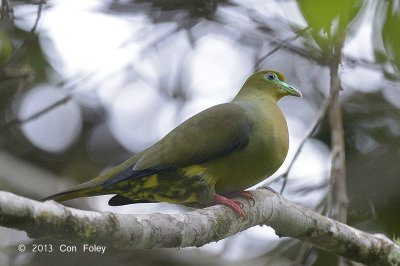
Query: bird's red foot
[(231, 203), (243, 194)]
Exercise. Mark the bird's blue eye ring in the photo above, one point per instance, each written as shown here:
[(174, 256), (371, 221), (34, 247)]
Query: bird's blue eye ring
[(270, 76)]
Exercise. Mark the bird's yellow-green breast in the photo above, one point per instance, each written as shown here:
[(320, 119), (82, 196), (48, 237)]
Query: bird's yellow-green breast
[(226, 148)]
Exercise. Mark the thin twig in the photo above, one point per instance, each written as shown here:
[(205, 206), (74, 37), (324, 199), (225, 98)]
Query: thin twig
[(9, 73), (18, 121), (349, 59), (39, 13), (307, 54), (281, 45), (312, 130), (277, 48), (279, 252), (303, 253)]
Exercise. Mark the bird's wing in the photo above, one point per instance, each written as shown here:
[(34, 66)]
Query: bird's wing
[(212, 133)]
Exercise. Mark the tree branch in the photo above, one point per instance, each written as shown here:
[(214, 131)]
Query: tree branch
[(16, 121), (7, 73), (338, 165), (195, 228)]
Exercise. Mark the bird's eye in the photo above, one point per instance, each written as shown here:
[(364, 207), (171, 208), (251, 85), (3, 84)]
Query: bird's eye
[(271, 76)]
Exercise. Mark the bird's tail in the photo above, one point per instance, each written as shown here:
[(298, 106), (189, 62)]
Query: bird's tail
[(95, 186), (91, 188)]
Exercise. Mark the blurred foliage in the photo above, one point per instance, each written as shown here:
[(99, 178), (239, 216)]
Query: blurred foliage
[(386, 30), (20, 64), (6, 24), (328, 19), (371, 122), (5, 46)]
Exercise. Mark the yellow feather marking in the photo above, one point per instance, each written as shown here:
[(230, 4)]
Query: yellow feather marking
[(197, 170), (151, 181), (194, 170)]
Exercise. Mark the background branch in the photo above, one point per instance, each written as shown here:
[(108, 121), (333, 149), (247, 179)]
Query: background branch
[(338, 164), (9, 73), (311, 131), (45, 110), (196, 228), (283, 44)]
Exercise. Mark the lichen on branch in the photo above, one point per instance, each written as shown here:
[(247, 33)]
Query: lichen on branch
[(194, 228)]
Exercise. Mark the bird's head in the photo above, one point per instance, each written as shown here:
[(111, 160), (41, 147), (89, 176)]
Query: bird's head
[(268, 83)]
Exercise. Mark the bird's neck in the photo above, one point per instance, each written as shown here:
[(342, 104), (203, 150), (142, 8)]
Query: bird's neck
[(255, 96)]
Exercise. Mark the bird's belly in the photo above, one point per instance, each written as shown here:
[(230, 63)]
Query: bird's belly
[(249, 166)]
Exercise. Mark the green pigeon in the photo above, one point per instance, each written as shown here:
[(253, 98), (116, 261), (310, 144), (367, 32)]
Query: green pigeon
[(212, 156)]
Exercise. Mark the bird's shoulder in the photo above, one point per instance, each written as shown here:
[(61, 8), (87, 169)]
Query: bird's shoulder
[(226, 113), (211, 133)]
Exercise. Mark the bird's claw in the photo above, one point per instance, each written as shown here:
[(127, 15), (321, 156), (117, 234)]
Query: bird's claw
[(237, 202), (244, 194), (231, 203)]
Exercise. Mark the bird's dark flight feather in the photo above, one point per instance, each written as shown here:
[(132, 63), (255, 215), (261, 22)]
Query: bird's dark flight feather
[(129, 173), (119, 200)]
